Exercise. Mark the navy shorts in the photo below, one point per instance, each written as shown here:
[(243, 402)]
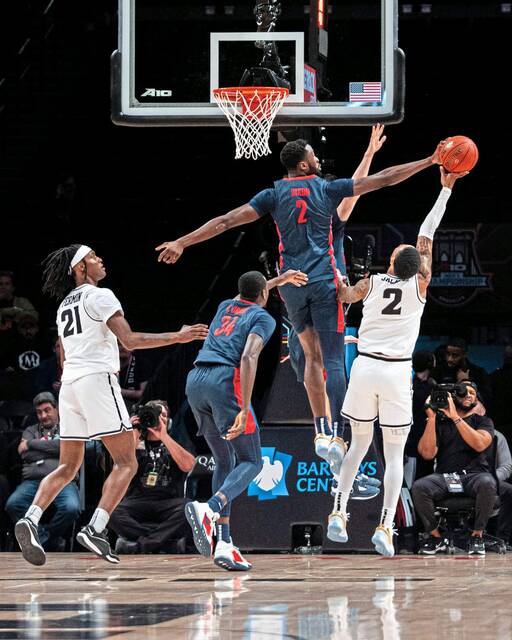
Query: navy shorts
[(315, 305), (297, 357), (214, 393)]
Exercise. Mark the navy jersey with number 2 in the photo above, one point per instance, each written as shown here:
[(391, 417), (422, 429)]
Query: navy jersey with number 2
[(303, 208)]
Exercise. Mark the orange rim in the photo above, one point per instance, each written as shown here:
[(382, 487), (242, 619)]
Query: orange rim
[(234, 92)]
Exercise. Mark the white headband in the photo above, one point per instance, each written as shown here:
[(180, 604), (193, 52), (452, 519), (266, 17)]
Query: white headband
[(79, 255)]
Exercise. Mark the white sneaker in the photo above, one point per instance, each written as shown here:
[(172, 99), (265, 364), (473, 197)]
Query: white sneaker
[(229, 557), (322, 445), (383, 541), (335, 453), (201, 518), (337, 527)]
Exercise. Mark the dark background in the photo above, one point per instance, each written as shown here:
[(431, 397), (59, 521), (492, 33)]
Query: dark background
[(138, 187)]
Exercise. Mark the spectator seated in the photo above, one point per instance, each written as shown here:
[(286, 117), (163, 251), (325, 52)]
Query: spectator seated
[(40, 449)]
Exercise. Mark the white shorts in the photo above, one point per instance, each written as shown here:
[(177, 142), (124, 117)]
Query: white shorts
[(379, 389), (92, 407)]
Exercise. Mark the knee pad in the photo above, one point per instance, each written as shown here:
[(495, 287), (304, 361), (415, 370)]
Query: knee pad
[(395, 435)]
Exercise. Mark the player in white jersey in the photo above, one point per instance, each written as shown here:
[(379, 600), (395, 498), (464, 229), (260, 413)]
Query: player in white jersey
[(90, 320), (380, 379)]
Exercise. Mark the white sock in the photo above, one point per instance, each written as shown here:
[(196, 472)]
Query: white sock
[(34, 514), (394, 440), (387, 517), (99, 520), (361, 439)]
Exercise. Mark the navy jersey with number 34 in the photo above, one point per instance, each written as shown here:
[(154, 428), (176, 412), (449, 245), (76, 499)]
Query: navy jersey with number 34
[(229, 330), (303, 210)]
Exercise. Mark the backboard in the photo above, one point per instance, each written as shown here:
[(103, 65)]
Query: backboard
[(340, 61)]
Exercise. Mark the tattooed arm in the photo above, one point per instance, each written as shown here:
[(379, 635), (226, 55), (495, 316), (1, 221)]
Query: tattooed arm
[(349, 294)]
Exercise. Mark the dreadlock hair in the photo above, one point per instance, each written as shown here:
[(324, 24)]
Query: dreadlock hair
[(57, 281), (292, 153)]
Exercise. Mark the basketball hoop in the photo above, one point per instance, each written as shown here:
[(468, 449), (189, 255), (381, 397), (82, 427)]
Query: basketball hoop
[(250, 112)]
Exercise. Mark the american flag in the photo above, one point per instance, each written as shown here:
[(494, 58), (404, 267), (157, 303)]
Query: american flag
[(364, 92)]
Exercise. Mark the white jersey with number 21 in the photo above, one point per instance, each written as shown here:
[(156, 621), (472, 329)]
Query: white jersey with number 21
[(392, 311), (89, 345)]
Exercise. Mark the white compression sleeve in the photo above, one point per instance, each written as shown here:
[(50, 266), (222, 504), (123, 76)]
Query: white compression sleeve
[(433, 220)]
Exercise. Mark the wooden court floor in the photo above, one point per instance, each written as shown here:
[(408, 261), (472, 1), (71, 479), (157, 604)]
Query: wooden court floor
[(352, 597)]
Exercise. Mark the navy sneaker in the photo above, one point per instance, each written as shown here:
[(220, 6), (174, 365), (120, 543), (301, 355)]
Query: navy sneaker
[(364, 488), (97, 543), (26, 535)]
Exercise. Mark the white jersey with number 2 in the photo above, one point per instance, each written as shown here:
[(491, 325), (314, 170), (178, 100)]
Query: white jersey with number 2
[(392, 311), (89, 345)]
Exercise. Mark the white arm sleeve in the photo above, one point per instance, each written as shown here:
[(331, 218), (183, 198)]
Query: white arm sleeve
[(433, 220)]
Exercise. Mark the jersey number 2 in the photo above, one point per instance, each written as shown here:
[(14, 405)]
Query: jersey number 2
[(73, 325), (303, 206), (392, 309)]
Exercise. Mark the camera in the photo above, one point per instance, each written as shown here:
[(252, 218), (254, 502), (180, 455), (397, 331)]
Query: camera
[(440, 392), (148, 416)]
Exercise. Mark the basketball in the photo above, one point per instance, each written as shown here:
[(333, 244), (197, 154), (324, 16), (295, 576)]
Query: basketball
[(459, 154)]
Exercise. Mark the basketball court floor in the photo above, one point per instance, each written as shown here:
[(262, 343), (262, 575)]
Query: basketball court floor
[(357, 597)]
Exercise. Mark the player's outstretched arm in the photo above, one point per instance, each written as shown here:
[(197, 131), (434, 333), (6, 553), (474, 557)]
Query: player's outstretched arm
[(350, 294), (292, 276), (248, 366), (430, 225), (377, 139), (396, 174), (171, 251), (138, 340)]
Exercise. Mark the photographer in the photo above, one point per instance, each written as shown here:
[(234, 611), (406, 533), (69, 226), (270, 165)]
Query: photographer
[(457, 438), (151, 517)]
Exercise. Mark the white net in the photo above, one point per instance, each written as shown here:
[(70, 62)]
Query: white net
[(251, 112)]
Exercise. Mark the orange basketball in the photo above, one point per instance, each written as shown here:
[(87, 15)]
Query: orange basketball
[(459, 154)]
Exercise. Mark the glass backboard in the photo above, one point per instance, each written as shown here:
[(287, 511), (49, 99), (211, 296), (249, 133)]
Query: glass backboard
[(340, 61)]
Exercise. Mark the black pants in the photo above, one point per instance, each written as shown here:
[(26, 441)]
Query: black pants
[(504, 528), (153, 521), (430, 489)]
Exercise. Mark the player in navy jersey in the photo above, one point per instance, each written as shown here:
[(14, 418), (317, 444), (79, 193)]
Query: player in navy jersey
[(334, 353), (219, 391), (302, 206)]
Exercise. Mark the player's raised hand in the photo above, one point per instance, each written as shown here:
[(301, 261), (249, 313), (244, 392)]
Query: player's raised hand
[(448, 179), (188, 333), (377, 139), (436, 156), (170, 252), (292, 276), (238, 426)]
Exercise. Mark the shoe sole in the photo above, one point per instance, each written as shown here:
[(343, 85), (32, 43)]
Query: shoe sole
[(335, 458), (229, 566), (364, 497), (381, 547), (202, 543), (335, 535), (90, 546), (476, 553), (30, 550), (333, 494)]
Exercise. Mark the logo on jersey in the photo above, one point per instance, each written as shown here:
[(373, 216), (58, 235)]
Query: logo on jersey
[(271, 480), (456, 272), (29, 360)]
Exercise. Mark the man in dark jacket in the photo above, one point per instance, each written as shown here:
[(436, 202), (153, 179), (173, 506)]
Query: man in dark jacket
[(40, 449)]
